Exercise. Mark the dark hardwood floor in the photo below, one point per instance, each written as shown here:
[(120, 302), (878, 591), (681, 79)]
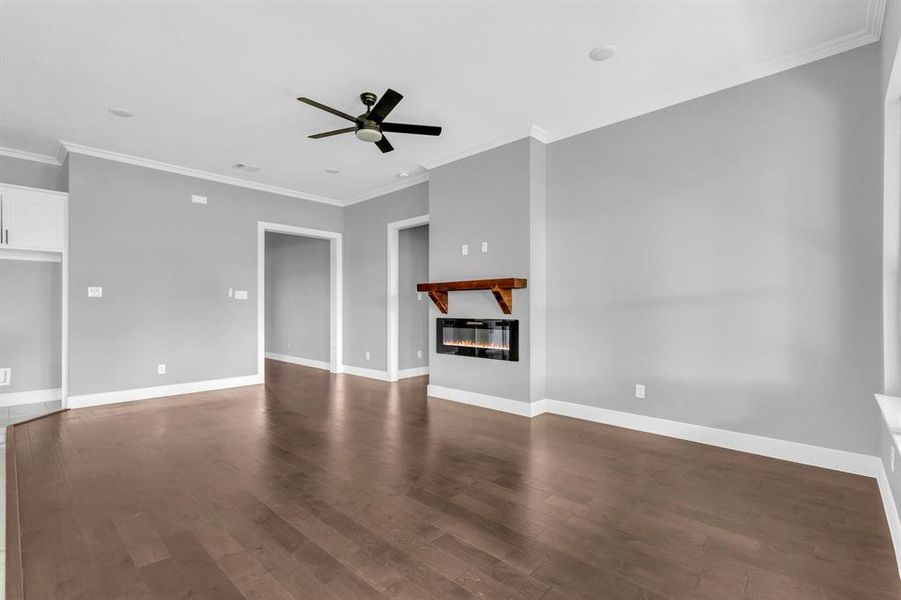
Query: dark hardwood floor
[(338, 487)]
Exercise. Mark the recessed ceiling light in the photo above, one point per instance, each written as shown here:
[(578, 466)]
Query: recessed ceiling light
[(332, 170), (600, 53), (402, 174), (121, 112), (245, 167)]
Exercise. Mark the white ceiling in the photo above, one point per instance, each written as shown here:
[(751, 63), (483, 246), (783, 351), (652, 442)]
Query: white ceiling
[(213, 84)]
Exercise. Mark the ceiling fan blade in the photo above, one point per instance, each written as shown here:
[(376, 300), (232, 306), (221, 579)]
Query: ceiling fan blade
[(334, 111), (385, 105), (410, 128), (384, 145), (316, 136)]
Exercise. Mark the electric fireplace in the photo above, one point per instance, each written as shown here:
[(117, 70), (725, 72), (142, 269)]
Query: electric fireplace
[(481, 338)]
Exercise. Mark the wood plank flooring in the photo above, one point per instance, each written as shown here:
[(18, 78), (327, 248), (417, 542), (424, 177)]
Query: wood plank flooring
[(337, 487)]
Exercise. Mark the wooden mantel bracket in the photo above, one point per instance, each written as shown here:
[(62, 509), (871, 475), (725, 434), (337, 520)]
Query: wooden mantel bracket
[(502, 289)]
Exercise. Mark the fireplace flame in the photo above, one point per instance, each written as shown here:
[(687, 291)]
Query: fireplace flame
[(473, 344)]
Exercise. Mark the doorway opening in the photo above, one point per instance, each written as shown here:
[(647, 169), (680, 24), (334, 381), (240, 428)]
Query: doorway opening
[(299, 312), (408, 310)]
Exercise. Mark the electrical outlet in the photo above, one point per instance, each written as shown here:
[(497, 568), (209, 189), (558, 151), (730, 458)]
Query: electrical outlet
[(95, 292), (197, 199), (367, 356), (289, 346), (240, 294), (419, 296), (419, 354), (484, 247), (639, 390), (161, 369), (6, 375), (464, 250), (231, 292)]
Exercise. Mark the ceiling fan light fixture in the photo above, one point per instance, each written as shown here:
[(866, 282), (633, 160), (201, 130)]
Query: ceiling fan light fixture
[(369, 135)]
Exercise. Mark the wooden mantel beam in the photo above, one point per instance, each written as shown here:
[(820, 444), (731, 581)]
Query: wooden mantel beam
[(502, 289)]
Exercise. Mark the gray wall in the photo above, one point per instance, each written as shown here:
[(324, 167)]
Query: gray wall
[(165, 265), (366, 272), (30, 324), (485, 197), (413, 308), (726, 252), (33, 174), (891, 34), (297, 296)]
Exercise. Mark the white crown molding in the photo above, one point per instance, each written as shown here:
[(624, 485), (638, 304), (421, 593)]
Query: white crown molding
[(875, 11), (190, 172), (410, 182), (479, 148), (874, 15), (32, 156)]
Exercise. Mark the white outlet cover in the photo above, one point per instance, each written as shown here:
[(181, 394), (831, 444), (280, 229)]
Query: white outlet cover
[(95, 292), (419, 354), (367, 356), (419, 296), (161, 369), (197, 199), (6, 375), (484, 247), (639, 390), (231, 292), (464, 250), (240, 294)]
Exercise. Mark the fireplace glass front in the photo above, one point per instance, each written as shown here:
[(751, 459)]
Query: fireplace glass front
[(481, 338)]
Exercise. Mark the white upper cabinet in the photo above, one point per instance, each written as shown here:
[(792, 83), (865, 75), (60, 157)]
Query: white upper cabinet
[(32, 219)]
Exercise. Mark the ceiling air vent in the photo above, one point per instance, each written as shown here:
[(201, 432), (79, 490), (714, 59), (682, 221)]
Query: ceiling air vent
[(245, 167)]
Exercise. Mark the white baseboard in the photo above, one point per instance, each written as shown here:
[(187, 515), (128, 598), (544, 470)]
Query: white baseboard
[(817, 456), (160, 391), (413, 372), (30, 397), (523, 409), (891, 512), (363, 372), (297, 360)]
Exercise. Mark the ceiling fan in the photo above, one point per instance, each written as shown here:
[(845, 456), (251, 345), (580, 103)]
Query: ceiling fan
[(370, 126)]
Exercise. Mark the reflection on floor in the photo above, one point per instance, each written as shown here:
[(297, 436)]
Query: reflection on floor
[(10, 415), (334, 487)]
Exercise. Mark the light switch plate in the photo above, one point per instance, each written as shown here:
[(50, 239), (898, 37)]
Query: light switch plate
[(484, 247), (419, 296), (6, 375), (161, 369), (240, 294), (95, 292), (419, 354), (464, 250), (197, 199), (639, 391), (367, 356)]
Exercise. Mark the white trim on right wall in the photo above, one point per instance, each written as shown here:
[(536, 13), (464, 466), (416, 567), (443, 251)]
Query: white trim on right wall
[(393, 301)]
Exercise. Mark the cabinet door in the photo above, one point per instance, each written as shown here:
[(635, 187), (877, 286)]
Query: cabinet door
[(33, 222)]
